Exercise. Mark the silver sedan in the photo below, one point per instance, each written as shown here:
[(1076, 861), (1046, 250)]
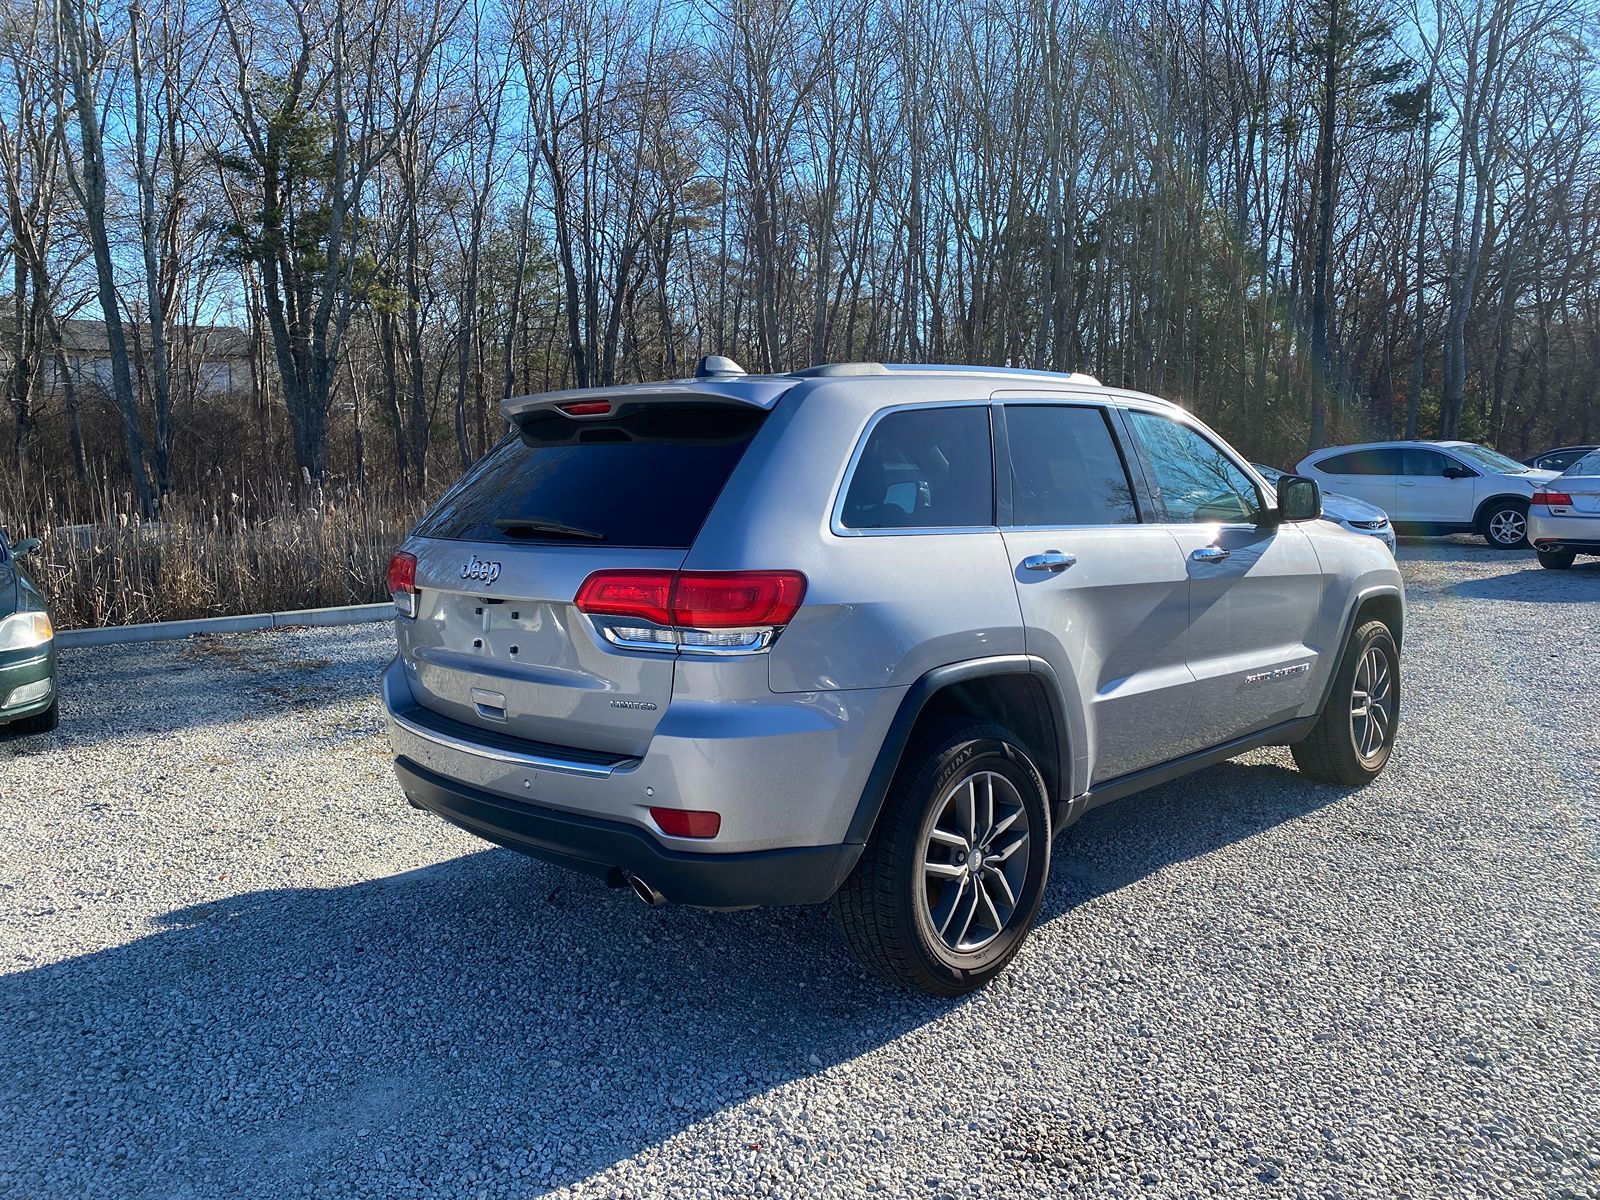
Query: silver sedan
[(1564, 515)]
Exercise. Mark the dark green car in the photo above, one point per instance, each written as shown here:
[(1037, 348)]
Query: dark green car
[(28, 701)]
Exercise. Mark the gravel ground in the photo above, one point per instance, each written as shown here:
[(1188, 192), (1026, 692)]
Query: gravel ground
[(236, 964)]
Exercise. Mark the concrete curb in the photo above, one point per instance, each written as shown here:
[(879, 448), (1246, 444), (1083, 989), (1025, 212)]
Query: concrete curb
[(168, 631)]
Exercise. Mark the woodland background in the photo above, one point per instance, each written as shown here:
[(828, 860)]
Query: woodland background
[(1306, 221)]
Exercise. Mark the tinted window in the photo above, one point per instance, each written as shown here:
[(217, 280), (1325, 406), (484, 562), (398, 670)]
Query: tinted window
[(1416, 461), (1197, 482), (645, 478), (1560, 460), (1065, 468), (924, 467), (1362, 462)]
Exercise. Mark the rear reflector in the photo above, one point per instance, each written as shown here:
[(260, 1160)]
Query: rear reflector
[(695, 599), (687, 822), (401, 579), (1547, 498)]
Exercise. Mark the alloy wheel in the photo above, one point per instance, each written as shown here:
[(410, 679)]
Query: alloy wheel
[(1508, 527), (1372, 703), (975, 861)]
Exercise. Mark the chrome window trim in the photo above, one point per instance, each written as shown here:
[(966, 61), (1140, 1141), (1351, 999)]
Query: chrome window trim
[(836, 523)]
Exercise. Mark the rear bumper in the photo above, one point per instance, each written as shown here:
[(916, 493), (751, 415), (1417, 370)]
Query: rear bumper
[(1550, 532), (781, 770), (799, 875)]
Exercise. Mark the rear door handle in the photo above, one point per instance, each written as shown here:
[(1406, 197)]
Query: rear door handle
[(1210, 554), (1050, 560)]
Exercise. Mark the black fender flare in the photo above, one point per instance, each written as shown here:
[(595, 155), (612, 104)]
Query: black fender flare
[(916, 699), (1348, 628)]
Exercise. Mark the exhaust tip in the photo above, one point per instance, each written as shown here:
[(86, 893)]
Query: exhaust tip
[(644, 891)]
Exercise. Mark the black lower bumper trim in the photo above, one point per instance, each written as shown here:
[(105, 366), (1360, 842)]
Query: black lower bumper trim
[(798, 875)]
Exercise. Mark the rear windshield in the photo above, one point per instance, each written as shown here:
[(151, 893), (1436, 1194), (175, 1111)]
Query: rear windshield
[(646, 477)]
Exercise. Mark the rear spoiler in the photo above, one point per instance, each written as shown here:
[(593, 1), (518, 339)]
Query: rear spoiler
[(754, 391)]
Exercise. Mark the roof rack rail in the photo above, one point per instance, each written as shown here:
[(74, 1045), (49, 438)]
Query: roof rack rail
[(841, 370)]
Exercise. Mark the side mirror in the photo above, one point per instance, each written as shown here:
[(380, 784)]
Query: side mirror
[(1454, 472), (1299, 499), (25, 547)]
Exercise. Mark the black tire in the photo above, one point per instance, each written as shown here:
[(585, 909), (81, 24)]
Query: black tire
[(886, 908), (1330, 752), (42, 722), (1510, 516), (1557, 560)]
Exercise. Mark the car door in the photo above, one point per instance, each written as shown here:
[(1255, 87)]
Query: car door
[(1426, 492), (1369, 475), (1255, 586), (1104, 595)]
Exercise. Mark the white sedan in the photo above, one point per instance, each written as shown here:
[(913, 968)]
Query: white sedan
[(1564, 515)]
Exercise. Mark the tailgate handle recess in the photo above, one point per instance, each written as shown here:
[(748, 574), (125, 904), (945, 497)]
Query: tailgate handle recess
[(491, 706)]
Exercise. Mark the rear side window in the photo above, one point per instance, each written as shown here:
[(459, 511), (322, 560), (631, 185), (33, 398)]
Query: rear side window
[(1066, 469), (647, 477), (1361, 462), (927, 468)]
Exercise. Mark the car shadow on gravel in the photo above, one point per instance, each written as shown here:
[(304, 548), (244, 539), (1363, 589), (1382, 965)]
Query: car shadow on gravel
[(1454, 548), (486, 1022), (1577, 584), (489, 1009), (1135, 837)]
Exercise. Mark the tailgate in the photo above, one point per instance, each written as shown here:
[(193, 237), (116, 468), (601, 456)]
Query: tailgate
[(498, 644), (623, 482)]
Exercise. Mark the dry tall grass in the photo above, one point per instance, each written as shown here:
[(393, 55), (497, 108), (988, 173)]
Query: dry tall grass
[(283, 549)]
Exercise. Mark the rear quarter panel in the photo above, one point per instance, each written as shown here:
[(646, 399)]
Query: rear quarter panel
[(881, 609)]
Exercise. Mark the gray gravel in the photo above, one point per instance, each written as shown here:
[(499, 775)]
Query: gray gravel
[(234, 963)]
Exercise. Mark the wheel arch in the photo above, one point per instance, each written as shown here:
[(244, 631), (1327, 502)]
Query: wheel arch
[(1480, 518), (1385, 602), (1018, 691)]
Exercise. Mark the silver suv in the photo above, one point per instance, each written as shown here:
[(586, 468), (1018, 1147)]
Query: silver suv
[(869, 633)]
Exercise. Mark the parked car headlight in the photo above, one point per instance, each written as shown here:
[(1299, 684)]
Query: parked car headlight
[(25, 631)]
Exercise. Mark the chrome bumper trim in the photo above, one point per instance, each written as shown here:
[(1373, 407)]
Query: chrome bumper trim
[(535, 762)]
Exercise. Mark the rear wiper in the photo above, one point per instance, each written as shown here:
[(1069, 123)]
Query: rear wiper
[(532, 527)]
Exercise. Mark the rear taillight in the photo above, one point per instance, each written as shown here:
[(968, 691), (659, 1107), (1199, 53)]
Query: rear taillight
[(1552, 498), (402, 581), (736, 599), (642, 594), (728, 611)]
